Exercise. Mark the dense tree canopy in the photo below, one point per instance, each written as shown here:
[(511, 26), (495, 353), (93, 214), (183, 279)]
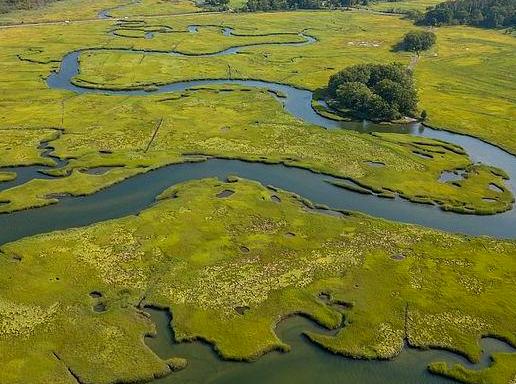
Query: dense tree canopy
[(272, 5), (483, 13), (374, 91), (8, 5), (216, 4), (267, 5), (417, 41)]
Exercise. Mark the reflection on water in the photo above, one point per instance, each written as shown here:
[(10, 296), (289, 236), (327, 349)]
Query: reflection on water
[(298, 102)]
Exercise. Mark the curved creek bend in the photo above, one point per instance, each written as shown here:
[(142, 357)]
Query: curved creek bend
[(306, 362), (138, 192)]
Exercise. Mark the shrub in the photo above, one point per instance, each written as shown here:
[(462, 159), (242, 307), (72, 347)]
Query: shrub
[(417, 41), (374, 91)]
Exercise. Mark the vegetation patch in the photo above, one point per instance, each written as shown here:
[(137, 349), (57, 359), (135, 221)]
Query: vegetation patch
[(501, 371), (229, 268), (184, 254), (374, 91), (20, 147), (7, 176), (34, 11), (272, 136), (463, 81), (484, 13), (177, 364), (155, 7), (412, 8), (417, 41)]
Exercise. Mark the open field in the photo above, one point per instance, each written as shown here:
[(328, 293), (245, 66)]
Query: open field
[(239, 129), (403, 6), (465, 82), (88, 126), (485, 100), (20, 147), (156, 7), (60, 11), (7, 176), (501, 371), (71, 10), (194, 253), (229, 259), (237, 4)]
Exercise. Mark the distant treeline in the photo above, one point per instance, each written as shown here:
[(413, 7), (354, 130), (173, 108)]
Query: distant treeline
[(482, 13), (10, 5), (273, 5)]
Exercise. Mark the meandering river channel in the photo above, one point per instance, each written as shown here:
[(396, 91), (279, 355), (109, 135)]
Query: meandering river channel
[(306, 363), (136, 193)]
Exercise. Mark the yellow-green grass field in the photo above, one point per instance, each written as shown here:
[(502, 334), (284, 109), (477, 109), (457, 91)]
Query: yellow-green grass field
[(186, 253), (20, 147), (156, 7), (238, 128), (465, 82), (7, 176), (237, 4), (71, 10), (403, 6), (481, 104), (60, 11), (344, 38), (501, 371)]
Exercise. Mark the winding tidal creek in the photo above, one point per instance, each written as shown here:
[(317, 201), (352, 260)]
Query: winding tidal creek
[(306, 363)]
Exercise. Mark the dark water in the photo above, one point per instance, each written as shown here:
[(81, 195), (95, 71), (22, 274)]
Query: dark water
[(138, 192), (297, 102), (305, 363), (106, 13)]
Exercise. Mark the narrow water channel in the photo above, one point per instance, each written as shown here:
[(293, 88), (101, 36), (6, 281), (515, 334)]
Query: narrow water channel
[(305, 363), (133, 195), (297, 102), (137, 193)]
